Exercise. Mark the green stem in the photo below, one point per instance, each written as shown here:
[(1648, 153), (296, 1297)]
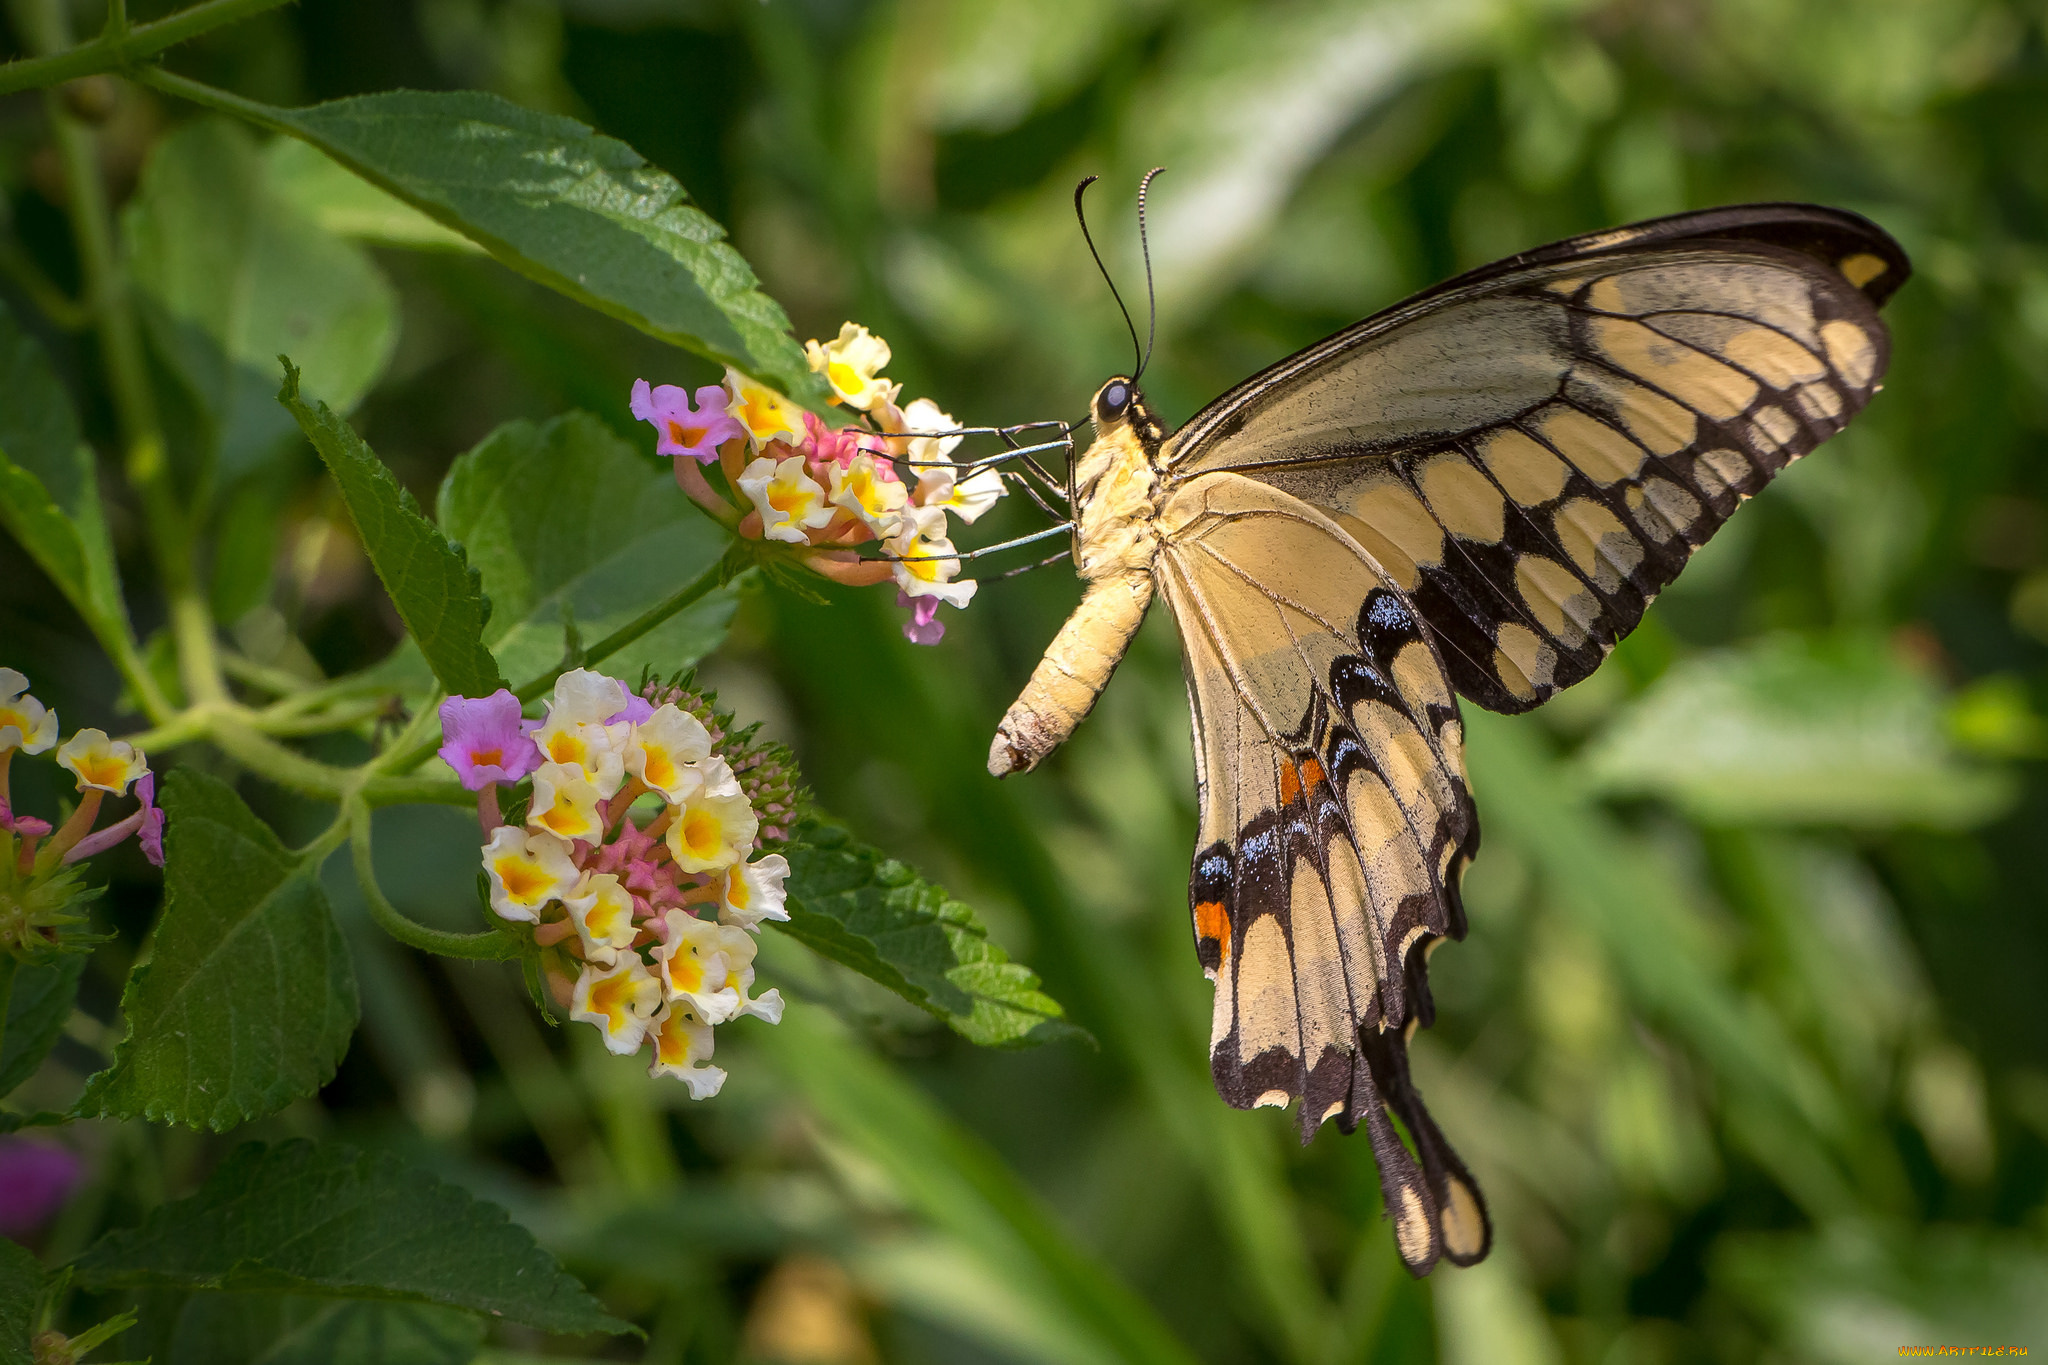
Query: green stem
[(120, 46), (647, 620), (277, 682), (492, 945), (8, 963), (120, 337)]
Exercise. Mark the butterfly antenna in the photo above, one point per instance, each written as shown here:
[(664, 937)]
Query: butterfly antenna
[(1089, 238), (1151, 303)]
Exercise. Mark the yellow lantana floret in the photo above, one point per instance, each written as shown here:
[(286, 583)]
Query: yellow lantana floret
[(621, 1000), (682, 1047), (565, 803), (926, 560), (527, 869), (25, 723), (752, 892), (693, 966), (859, 488), (766, 414), (788, 499), (714, 826), (664, 750), (602, 910), (579, 731), (852, 366), (102, 764)]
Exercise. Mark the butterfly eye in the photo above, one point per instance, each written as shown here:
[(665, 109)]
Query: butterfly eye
[(1115, 398)]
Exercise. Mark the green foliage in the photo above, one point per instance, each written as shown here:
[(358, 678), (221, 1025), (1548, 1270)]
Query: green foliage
[(867, 911), (332, 1221), (566, 521), (1789, 730), (432, 585), (1066, 1306), (21, 1285), (37, 1007), (277, 1329), (581, 213), (247, 1000), (49, 490), (234, 275), (348, 205)]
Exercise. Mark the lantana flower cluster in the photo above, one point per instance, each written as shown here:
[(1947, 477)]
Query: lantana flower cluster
[(637, 858), (40, 882), (798, 481)]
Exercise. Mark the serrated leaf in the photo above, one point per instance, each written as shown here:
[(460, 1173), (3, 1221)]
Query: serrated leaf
[(565, 514), (333, 1221), (579, 212), (436, 592), (869, 912), (21, 1283), (247, 999), (49, 490), (36, 1010), (231, 275), (281, 1329)]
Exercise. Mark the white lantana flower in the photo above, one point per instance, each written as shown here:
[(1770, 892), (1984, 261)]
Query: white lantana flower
[(565, 803), (753, 892), (602, 910), (852, 365), (682, 1046), (715, 825), (858, 487), (766, 414), (664, 749), (693, 966), (788, 499), (620, 1000), (579, 728), (25, 723), (102, 764), (527, 868), (927, 560)]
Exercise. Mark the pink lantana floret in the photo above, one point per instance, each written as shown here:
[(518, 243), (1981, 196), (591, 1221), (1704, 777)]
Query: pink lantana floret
[(151, 832), (685, 428), (486, 743), (924, 626), (824, 447)]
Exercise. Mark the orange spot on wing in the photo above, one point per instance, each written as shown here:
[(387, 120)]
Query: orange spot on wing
[(1212, 921), (1295, 777)]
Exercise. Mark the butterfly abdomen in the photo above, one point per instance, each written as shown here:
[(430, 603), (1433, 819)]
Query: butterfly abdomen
[(1115, 483)]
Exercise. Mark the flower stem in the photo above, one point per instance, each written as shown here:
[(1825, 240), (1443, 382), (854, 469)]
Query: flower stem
[(120, 46), (81, 821), (646, 621), (492, 945)]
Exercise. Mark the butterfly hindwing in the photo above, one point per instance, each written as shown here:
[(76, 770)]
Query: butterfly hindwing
[(1534, 452), (1335, 824)]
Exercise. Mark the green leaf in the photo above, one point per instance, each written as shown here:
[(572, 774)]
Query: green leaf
[(36, 1010), (247, 999), (431, 584), (566, 515), (347, 205), (49, 489), (850, 903), (1078, 1308), (279, 1329), (581, 213), (21, 1284), (333, 1221), (1792, 729), (233, 275)]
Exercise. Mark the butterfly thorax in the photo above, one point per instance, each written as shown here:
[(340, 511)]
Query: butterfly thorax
[(1116, 487)]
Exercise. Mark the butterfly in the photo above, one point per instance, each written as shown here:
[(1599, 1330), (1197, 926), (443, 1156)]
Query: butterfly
[(1476, 494)]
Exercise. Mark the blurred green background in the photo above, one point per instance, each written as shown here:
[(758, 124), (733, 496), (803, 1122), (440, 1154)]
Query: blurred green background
[(1747, 1045)]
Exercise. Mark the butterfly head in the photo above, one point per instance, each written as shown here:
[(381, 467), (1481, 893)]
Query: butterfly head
[(1120, 406)]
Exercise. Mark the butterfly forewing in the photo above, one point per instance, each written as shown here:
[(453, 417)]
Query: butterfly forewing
[(1535, 453), (1335, 822)]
